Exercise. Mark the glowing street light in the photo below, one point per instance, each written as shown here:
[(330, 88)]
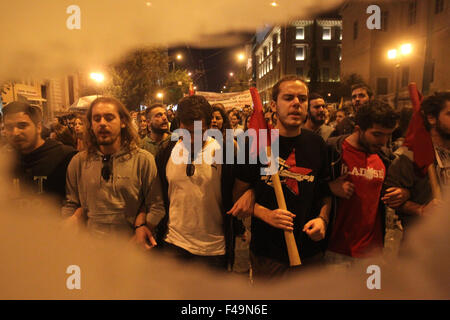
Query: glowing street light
[(179, 56), (160, 96), (274, 4), (392, 54), (406, 49), (189, 74), (97, 77), (241, 57), (231, 74)]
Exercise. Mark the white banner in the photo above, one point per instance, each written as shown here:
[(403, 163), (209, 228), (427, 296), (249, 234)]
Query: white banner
[(229, 100)]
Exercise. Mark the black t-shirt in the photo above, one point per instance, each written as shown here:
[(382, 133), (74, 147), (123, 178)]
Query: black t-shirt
[(303, 171), (50, 161)]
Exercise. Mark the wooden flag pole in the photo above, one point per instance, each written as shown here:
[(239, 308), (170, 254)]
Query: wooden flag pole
[(291, 245)]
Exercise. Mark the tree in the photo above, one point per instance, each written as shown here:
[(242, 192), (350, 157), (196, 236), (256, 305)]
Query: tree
[(175, 85), (136, 78)]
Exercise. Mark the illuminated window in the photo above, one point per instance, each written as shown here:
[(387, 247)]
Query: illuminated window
[(300, 53), (300, 33), (326, 35), (279, 38)]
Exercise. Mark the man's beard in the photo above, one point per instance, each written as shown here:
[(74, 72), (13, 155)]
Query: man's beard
[(158, 130), (316, 121), (443, 132)]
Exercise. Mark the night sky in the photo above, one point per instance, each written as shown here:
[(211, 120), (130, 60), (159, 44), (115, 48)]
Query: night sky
[(216, 63)]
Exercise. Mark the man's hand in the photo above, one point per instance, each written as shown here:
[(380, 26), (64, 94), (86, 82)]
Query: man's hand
[(144, 238), (243, 207), (395, 197), (315, 229), (342, 188), (279, 218)]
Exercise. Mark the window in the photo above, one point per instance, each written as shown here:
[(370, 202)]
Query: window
[(270, 63), (439, 6), (326, 34), (300, 33), (326, 74), (382, 85), (300, 53), (326, 53), (412, 9), (275, 39), (405, 76), (270, 46), (278, 55), (265, 51), (340, 52), (70, 87), (299, 72), (384, 20), (279, 39), (355, 30)]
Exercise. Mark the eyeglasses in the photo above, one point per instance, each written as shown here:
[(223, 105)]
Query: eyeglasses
[(190, 167), (106, 169)]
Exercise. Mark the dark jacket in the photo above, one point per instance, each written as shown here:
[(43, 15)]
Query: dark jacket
[(50, 161), (335, 156), (231, 225)]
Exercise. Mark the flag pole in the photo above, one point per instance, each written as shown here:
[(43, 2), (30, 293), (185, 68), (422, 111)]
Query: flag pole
[(291, 245)]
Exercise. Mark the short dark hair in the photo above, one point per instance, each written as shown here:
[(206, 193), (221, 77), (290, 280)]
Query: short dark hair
[(153, 106), (376, 112), (34, 112), (433, 105), (192, 108), (362, 86), (314, 96), (276, 87)]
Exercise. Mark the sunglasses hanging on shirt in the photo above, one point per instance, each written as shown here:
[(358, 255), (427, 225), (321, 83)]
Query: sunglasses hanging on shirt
[(107, 167)]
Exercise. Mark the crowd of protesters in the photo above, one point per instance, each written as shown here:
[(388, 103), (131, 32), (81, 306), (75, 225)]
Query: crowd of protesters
[(116, 172)]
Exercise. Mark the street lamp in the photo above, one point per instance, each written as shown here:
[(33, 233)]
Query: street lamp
[(98, 77), (231, 74), (160, 96), (177, 56), (397, 55), (241, 57)]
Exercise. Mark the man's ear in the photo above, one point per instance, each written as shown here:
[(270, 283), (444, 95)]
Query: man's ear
[(358, 129), (273, 106)]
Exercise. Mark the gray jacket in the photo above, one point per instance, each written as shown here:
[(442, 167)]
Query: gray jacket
[(113, 205)]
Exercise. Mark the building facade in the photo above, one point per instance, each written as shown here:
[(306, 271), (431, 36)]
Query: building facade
[(54, 96), (307, 48), (422, 27)]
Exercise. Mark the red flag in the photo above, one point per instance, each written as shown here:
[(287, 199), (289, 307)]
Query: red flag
[(191, 89), (257, 122), (418, 139)]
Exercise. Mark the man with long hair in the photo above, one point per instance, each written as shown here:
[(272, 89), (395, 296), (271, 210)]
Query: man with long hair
[(113, 181)]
